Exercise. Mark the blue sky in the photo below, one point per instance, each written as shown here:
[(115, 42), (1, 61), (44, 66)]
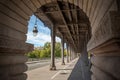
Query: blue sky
[(43, 33)]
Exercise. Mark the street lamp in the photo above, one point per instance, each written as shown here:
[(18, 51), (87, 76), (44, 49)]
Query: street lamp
[(35, 30)]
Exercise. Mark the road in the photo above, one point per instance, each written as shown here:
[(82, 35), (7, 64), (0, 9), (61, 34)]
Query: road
[(37, 64)]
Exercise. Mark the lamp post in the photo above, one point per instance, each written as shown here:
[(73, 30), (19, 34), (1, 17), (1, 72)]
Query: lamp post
[(35, 30)]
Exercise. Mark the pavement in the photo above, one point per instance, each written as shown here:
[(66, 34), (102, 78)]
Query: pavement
[(81, 71), (62, 72)]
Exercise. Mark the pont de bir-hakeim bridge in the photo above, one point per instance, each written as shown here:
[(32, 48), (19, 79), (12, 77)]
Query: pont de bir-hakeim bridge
[(86, 26)]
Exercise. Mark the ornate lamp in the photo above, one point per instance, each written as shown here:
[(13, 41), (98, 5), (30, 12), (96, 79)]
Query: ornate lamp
[(35, 30)]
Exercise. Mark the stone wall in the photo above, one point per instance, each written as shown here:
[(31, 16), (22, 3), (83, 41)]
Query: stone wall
[(105, 48), (13, 29)]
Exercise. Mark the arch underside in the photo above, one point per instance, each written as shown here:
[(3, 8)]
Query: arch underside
[(23, 9), (69, 20)]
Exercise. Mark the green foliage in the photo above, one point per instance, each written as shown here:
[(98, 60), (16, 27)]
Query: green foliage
[(46, 51), (57, 49), (65, 52), (47, 45), (34, 54)]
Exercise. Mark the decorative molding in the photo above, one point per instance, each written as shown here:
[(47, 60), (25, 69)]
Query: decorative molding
[(13, 45), (107, 32)]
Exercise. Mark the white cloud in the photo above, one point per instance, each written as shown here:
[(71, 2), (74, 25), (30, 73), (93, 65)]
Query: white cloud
[(40, 39), (58, 39)]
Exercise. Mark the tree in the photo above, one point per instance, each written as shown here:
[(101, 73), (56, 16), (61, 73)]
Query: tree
[(34, 54), (57, 49), (47, 45), (46, 51)]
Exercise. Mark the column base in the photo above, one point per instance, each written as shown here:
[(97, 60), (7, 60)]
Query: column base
[(53, 68)]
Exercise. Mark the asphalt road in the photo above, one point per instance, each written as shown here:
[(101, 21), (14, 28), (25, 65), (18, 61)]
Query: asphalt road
[(37, 64)]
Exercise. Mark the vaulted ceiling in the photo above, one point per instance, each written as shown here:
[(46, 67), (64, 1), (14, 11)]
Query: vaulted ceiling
[(68, 16), (70, 21)]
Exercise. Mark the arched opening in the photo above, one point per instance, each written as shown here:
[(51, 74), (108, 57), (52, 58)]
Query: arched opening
[(40, 56), (104, 43), (17, 21), (71, 24), (43, 32)]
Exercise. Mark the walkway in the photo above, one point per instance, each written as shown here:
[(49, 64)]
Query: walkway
[(43, 73), (81, 71)]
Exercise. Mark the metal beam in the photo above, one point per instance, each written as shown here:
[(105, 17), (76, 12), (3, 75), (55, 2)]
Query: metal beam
[(62, 50), (52, 66), (71, 19), (65, 22), (77, 31), (48, 12)]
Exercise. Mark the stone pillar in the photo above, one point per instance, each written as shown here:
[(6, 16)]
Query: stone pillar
[(12, 67), (67, 53), (105, 47), (12, 52), (62, 50), (85, 62), (52, 66), (13, 29)]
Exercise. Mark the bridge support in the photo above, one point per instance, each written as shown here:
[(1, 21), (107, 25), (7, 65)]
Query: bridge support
[(62, 50), (53, 31), (70, 53), (105, 47), (12, 52), (67, 53)]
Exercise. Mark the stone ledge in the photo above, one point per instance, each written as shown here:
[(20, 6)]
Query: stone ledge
[(14, 46), (109, 48), (107, 30)]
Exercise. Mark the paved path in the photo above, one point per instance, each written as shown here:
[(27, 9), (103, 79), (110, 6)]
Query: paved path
[(43, 73), (81, 71)]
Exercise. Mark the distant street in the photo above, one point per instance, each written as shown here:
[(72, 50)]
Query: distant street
[(37, 64)]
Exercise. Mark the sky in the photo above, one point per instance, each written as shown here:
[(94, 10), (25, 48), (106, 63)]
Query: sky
[(43, 33)]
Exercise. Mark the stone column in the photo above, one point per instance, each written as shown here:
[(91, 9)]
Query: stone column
[(12, 43), (12, 52), (67, 53), (105, 47), (84, 62), (62, 50), (52, 66)]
